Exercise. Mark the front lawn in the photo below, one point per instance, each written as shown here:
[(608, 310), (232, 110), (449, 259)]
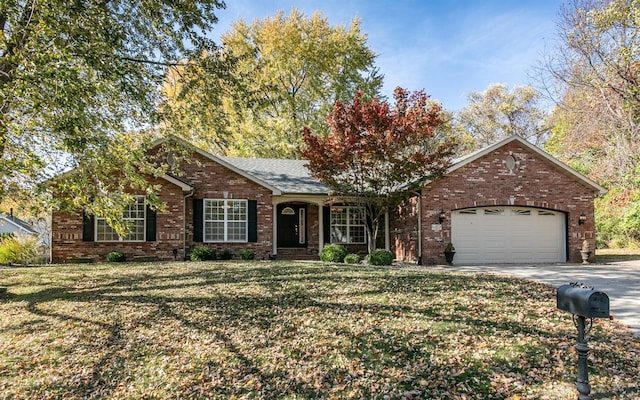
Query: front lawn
[(296, 331)]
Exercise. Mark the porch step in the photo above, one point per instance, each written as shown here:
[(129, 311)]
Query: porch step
[(297, 254)]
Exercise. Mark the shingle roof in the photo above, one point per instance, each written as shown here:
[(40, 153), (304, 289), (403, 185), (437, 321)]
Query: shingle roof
[(288, 176)]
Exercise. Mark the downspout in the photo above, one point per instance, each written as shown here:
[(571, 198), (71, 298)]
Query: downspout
[(419, 227), (184, 221)]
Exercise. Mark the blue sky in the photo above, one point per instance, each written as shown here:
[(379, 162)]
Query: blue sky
[(449, 48)]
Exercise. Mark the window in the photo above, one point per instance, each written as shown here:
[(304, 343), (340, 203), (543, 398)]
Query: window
[(493, 211), (134, 215), (347, 225), (521, 212), (225, 220)]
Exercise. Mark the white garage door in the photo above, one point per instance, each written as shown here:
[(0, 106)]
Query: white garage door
[(508, 235)]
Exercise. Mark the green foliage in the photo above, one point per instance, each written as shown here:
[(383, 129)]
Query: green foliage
[(352, 259), (74, 76), (291, 69), (6, 235), (203, 253), (247, 255), (449, 248), (380, 257), (595, 73), (18, 250), (333, 253), (116, 256), (617, 216), (226, 255), (498, 113)]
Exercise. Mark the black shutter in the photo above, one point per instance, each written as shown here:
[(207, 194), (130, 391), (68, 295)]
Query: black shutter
[(326, 224), (87, 227), (252, 221), (198, 225), (151, 225)]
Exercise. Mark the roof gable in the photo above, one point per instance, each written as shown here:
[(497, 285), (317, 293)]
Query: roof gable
[(221, 161), (21, 225), (457, 164)]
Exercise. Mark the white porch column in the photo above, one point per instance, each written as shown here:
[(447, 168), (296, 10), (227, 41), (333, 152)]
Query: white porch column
[(387, 245), (275, 229), (320, 228)]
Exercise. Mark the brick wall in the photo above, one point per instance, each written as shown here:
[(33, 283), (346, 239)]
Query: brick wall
[(210, 180), (533, 182)]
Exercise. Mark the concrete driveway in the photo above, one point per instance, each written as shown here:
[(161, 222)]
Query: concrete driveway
[(619, 280)]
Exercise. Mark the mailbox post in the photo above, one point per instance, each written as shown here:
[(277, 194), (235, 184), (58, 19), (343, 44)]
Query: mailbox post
[(583, 302)]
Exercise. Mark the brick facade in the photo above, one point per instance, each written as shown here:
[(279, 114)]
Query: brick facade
[(509, 174), (487, 181), (210, 180)]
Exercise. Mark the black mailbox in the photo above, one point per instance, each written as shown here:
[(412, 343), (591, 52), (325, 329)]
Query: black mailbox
[(583, 301)]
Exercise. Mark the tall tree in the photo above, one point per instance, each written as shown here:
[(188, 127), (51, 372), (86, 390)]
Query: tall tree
[(498, 113), (293, 69), (74, 75), (375, 156), (595, 75)]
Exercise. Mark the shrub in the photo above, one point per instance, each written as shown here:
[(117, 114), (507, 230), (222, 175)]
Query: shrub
[(352, 259), (380, 257), (116, 256), (247, 255), (226, 255), (6, 235), (203, 253), (333, 253), (18, 250)]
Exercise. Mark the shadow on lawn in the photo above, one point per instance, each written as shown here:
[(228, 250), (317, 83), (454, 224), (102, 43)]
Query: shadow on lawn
[(200, 300)]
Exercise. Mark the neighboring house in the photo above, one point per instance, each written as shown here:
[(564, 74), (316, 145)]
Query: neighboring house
[(12, 224), (510, 202)]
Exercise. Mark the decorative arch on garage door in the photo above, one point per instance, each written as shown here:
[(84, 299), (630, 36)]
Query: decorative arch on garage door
[(509, 234)]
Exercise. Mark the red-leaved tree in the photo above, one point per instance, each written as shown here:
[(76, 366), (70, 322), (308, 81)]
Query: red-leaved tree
[(376, 156)]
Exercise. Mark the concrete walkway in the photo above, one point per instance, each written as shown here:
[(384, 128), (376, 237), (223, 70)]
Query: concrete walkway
[(619, 280)]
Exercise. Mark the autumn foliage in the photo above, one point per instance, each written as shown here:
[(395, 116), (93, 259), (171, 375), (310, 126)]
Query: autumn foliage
[(375, 154)]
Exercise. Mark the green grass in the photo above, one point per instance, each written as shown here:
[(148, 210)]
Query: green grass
[(295, 331), (617, 255)]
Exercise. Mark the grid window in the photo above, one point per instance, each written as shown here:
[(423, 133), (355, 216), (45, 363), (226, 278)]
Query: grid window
[(134, 215), (225, 220), (347, 225)]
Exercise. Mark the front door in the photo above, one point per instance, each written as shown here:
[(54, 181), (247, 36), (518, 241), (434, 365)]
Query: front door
[(292, 225)]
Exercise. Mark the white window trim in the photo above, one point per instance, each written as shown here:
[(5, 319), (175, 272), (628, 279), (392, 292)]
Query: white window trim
[(225, 221), (121, 239), (348, 224)]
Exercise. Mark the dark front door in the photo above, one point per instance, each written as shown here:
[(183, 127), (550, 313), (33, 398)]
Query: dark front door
[(292, 225)]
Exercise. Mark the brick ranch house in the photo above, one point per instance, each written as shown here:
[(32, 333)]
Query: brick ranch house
[(507, 203)]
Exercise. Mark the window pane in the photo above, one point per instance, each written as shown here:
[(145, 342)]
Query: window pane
[(356, 217), (237, 211), (214, 231), (338, 216), (237, 231), (105, 232), (137, 231), (357, 234), (214, 210), (339, 234), (134, 215)]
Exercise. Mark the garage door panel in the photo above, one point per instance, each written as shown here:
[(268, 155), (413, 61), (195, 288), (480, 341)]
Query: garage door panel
[(508, 234)]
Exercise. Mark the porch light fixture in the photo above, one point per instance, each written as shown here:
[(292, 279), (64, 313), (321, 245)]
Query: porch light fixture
[(441, 217), (582, 218)]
